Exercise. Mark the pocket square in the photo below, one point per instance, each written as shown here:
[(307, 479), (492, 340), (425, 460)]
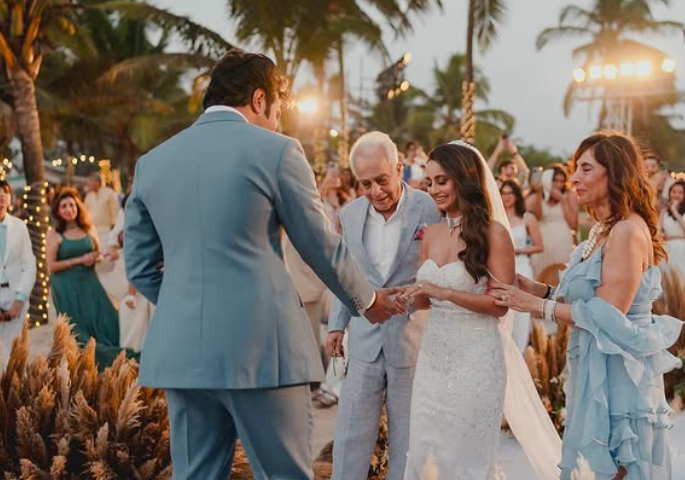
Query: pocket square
[(420, 232)]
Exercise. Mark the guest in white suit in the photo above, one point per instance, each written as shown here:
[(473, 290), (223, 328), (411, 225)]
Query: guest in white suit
[(383, 230), (17, 276)]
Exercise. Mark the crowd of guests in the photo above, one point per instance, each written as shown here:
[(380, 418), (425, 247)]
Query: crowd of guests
[(84, 250), (85, 259), (543, 212)]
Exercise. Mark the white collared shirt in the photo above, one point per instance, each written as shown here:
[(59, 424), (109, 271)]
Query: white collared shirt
[(382, 238), (225, 108)]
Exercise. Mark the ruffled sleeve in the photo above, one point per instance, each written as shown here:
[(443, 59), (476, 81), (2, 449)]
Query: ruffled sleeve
[(641, 344)]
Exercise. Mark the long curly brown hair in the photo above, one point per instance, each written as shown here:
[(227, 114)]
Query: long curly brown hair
[(465, 169), (628, 183), (82, 217)]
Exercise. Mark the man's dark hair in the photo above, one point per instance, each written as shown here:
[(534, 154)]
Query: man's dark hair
[(4, 185), (236, 77)]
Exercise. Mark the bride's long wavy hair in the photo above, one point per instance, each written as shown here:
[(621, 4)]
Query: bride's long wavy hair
[(465, 169)]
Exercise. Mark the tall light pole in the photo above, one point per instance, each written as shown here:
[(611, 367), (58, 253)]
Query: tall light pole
[(619, 84)]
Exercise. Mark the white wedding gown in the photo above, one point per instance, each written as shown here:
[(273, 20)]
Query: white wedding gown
[(459, 387)]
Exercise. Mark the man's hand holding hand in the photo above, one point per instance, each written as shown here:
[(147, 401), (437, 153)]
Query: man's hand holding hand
[(387, 304)]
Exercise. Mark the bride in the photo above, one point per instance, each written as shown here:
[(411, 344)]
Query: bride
[(469, 371)]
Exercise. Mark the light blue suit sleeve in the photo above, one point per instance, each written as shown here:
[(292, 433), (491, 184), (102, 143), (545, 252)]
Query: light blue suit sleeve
[(143, 249), (339, 317), (299, 207)]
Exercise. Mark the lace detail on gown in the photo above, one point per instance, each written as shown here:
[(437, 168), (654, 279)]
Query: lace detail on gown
[(459, 387)]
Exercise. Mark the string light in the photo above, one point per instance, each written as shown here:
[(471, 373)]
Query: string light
[(74, 160), (33, 199)]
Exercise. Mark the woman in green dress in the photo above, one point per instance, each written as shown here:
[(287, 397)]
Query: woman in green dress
[(73, 249)]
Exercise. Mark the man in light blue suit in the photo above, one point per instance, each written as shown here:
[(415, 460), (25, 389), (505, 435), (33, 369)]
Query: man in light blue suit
[(383, 230), (230, 341)]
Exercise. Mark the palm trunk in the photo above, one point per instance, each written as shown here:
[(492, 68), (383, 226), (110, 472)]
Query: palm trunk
[(28, 128), (320, 126), (344, 146), (468, 87)]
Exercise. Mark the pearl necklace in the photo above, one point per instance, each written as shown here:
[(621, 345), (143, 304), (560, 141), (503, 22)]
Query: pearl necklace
[(453, 223), (596, 232)]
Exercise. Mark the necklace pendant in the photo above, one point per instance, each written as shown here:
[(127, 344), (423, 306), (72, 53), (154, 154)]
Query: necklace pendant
[(453, 223)]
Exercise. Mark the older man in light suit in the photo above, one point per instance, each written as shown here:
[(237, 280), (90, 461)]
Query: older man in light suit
[(383, 230), (229, 340), (17, 274)]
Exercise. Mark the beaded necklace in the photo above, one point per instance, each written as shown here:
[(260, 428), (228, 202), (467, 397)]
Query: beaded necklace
[(596, 232)]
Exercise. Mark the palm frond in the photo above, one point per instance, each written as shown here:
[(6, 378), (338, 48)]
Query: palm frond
[(488, 17), (503, 120), (559, 33), (199, 39), (140, 65), (573, 14)]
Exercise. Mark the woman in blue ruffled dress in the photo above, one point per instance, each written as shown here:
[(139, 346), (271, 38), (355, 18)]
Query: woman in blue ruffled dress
[(616, 411)]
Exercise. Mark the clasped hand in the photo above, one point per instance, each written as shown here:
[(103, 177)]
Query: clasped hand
[(388, 303)]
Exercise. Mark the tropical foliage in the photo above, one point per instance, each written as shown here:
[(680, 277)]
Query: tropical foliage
[(435, 118)]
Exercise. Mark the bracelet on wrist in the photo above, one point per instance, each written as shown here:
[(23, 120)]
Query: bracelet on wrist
[(550, 306)]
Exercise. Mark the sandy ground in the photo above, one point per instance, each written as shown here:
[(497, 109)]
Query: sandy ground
[(512, 459)]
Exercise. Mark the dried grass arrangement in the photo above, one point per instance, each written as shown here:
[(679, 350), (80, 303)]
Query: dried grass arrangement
[(546, 360), (673, 303), (61, 420), (379, 461)]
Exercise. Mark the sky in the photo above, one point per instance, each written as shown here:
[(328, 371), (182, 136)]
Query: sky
[(525, 82)]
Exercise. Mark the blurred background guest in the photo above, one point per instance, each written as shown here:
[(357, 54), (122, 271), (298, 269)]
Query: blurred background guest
[(18, 274), (659, 178), (349, 183), (556, 208), (334, 196), (73, 249), (102, 203), (525, 231), (514, 168), (414, 163), (673, 228)]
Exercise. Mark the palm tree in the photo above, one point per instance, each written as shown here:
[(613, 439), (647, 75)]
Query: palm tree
[(121, 96), (300, 31), (608, 30), (332, 24), (448, 98), (607, 27), (484, 20), (435, 119), (28, 30)]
